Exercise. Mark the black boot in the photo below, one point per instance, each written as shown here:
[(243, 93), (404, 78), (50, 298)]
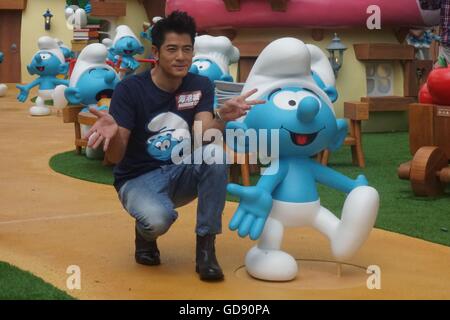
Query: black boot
[(147, 252), (206, 262)]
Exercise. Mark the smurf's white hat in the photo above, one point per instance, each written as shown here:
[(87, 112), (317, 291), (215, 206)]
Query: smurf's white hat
[(321, 65), (93, 56), (156, 19), (284, 62), (49, 44), (124, 31), (217, 49)]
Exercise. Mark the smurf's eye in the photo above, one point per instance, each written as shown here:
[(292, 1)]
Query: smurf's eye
[(287, 100), (165, 145), (45, 56), (158, 145), (202, 65)]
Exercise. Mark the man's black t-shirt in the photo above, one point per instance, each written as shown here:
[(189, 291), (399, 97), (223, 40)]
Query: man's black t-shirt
[(158, 120)]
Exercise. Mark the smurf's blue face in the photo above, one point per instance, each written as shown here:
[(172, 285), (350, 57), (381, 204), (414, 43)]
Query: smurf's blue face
[(210, 69), (93, 85), (330, 90), (306, 124), (45, 64), (161, 147), (128, 46)]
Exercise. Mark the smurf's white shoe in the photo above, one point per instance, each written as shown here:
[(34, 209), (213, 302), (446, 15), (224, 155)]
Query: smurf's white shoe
[(40, 109), (271, 265), (3, 89)]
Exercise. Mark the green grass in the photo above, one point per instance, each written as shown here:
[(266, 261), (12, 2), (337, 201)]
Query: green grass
[(400, 211), (80, 167), (16, 284)]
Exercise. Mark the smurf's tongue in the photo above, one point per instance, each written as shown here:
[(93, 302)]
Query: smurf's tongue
[(303, 139)]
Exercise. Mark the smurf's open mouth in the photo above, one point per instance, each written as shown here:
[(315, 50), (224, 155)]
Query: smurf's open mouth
[(128, 51), (107, 93), (40, 69), (303, 139)]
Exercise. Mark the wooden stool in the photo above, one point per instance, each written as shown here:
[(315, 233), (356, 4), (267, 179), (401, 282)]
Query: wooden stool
[(70, 115), (355, 112), (74, 115)]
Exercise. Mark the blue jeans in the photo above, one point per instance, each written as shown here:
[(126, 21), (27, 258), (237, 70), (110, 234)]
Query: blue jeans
[(152, 197)]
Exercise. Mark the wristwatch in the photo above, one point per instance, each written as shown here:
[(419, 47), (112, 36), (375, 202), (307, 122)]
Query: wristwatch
[(217, 115)]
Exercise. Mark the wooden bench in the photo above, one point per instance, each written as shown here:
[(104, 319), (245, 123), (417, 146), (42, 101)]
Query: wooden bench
[(70, 115), (74, 115)]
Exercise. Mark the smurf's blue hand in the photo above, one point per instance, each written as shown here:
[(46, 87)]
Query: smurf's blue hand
[(88, 8), (23, 95), (254, 208), (361, 181), (133, 64), (146, 35)]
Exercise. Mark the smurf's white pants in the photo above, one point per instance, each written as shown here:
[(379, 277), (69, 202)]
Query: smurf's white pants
[(266, 260)]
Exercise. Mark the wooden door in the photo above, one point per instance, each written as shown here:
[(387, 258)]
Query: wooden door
[(10, 25), (245, 66)]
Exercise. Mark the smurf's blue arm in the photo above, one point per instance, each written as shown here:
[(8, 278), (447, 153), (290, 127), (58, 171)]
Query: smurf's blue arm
[(146, 35), (31, 85), (336, 180), (272, 176), (130, 63)]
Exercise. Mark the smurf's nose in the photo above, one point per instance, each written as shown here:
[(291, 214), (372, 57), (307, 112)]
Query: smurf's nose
[(130, 45), (109, 77), (38, 58), (308, 109)]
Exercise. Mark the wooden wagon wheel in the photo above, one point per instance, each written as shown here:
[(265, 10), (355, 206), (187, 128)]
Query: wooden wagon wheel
[(425, 171)]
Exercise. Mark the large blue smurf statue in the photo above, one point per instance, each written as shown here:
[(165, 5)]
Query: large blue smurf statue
[(47, 63), (298, 106), (126, 45), (213, 56), (92, 79)]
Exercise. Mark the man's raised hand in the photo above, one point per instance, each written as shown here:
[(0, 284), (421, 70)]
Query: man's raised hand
[(104, 129), (236, 107)]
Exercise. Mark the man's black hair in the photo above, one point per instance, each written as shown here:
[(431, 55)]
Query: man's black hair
[(178, 21)]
